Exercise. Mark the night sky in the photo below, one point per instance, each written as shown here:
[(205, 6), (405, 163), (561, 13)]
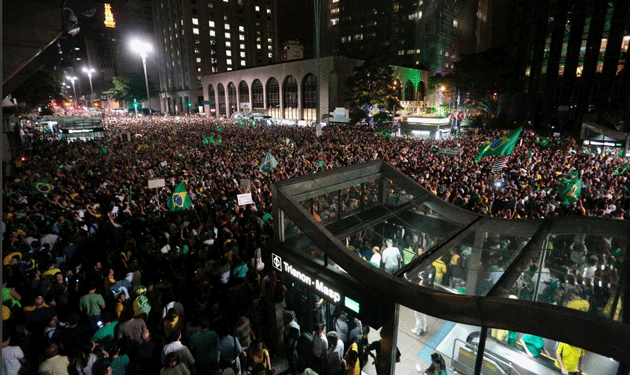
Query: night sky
[(295, 22)]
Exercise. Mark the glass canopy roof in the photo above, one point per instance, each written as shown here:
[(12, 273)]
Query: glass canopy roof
[(574, 263)]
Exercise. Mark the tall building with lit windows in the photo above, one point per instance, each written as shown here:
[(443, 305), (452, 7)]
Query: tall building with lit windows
[(195, 38), (571, 55), (414, 33)]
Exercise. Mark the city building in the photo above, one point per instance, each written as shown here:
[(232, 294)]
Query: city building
[(200, 37), (428, 33), (571, 55), (288, 91), (291, 50)]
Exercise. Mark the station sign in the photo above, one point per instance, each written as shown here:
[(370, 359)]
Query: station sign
[(313, 282)]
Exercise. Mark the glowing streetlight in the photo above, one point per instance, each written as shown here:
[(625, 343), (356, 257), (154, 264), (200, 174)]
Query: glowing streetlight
[(442, 88), (143, 48), (89, 72), (72, 79)]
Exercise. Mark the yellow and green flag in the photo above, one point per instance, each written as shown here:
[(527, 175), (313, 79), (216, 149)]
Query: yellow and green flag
[(211, 139), (543, 141), (568, 178), (43, 186), (205, 140), (620, 170), (219, 128), (502, 146), (180, 199), (570, 192), (384, 133)]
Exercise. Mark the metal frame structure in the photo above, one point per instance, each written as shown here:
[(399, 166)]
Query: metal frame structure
[(597, 333)]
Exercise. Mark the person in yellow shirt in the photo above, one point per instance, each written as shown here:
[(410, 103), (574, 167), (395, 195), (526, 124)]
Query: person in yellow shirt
[(569, 359), (440, 270)]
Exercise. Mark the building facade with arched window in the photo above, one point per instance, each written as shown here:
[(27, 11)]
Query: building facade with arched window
[(288, 91)]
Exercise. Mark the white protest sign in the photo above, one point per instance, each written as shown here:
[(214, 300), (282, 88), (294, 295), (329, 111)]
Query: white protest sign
[(156, 183), (244, 199), (164, 164)]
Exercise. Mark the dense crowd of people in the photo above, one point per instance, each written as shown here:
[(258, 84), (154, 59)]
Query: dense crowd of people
[(101, 277)]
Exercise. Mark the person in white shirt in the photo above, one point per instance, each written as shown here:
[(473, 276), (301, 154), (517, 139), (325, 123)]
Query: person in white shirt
[(176, 346), (12, 356), (391, 257), (376, 257), (335, 354), (320, 349)]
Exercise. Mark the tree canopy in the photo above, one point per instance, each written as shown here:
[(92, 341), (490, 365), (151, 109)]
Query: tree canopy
[(39, 90), (371, 85), (128, 88)]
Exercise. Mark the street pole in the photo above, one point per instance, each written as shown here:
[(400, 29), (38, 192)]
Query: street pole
[(318, 20), (146, 80)]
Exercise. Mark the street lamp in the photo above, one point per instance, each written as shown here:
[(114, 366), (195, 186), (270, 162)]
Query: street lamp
[(89, 72), (143, 48), (72, 79)]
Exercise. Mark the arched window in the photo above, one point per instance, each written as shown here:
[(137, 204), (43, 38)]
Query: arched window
[(221, 94), (243, 93), (421, 91), (232, 97), (290, 92), (212, 100), (290, 98), (410, 93), (309, 97), (258, 98), (273, 98)]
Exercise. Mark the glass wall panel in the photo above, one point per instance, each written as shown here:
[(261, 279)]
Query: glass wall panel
[(520, 353), (297, 241)]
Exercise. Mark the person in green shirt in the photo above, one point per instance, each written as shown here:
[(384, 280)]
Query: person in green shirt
[(533, 345), (92, 304), (120, 360), (105, 335)]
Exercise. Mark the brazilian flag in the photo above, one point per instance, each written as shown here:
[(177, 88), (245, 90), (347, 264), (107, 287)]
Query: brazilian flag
[(568, 178), (542, 140), (103, 149), (502, 146), (211, 139), (180, 199), (219, 128), (220, 141), (384, 133), (205, 140), (570, 193), (43, 186), (620, 170)]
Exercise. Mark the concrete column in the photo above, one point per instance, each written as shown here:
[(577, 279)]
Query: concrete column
[(474, 263), (389, 339)]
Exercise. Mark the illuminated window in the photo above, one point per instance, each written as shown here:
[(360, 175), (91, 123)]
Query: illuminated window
[(227, 26), (212, 33), (228, 44), (228, 61), (270, 55), (624, 44), (229, 68), (269, 41), (241, 37), (242, 54), (227, 35), (334, 21), (210, 5), (344, 39), (455, 23), (195, 21), (358, 37), (242, 46), (242, 62), (402, 52), (197, 50), (396, 7), (241, 29), (528, 71), (195, 30), (335, 1), (257, 8), (258, 46), (228, 53), (211, 23), (198, 69), (334, 11), (198, 59)]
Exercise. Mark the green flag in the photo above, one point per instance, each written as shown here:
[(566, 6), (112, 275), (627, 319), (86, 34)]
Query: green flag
[(384, 133), (543, 141), (570, 193), (43, 186), (502, 146), (622, 169), (103, 150), (211, 139), (568, 178), (219, 128), (205, 140), (180, 199), (220, 141)]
